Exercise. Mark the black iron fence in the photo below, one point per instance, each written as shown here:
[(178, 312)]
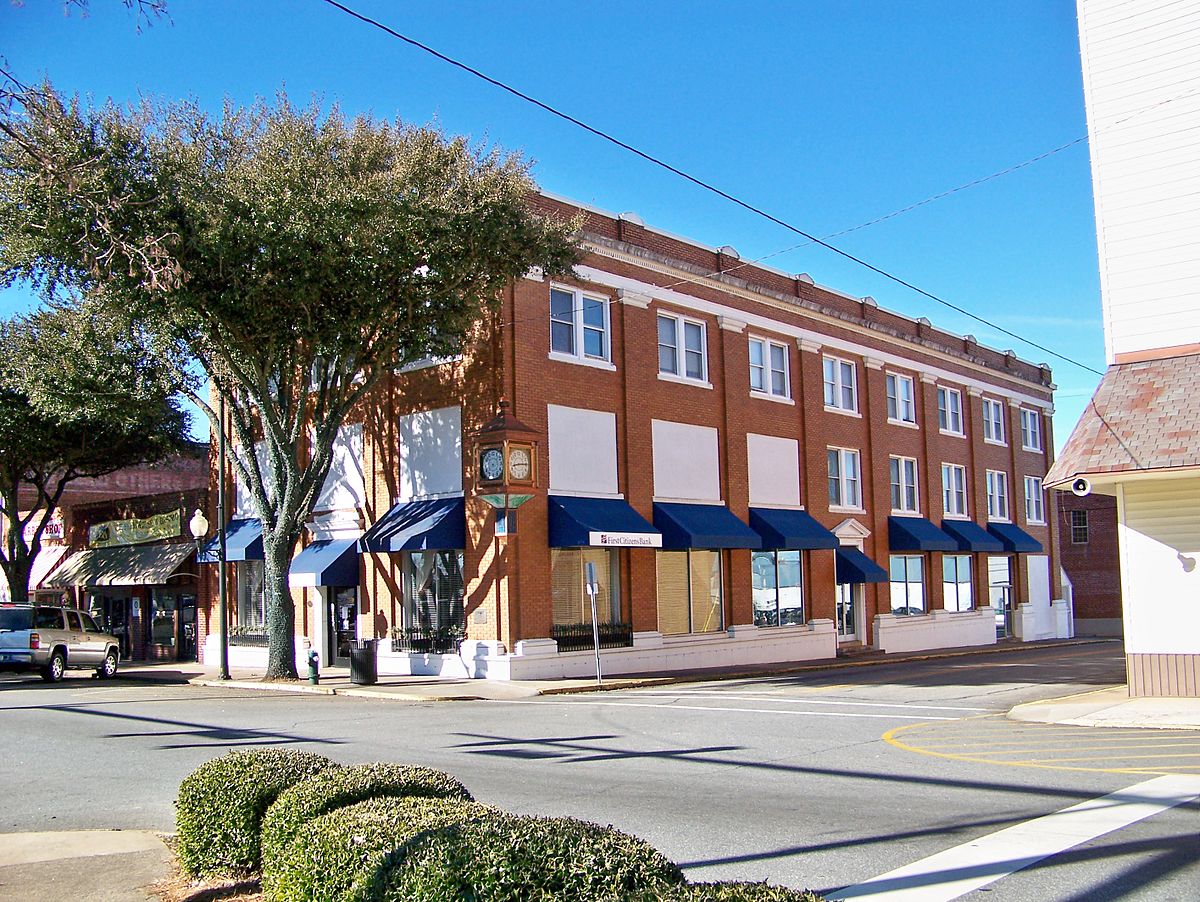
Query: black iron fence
[(245, 637), (578, 636), (428, 640)]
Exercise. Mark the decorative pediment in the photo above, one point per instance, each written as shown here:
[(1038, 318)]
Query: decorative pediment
[(851, 532)]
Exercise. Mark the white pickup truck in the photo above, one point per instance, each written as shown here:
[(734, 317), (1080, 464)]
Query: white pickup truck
[(51, 639)]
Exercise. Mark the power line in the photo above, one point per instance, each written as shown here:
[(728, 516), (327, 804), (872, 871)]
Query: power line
[(758, 211)]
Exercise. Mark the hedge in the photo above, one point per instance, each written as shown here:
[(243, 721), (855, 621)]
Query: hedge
[(736, 892), (221, 805), (336, 856), (340, 787), (505, 857)]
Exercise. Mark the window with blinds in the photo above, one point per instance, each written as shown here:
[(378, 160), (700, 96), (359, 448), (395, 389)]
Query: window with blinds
[(568, 575), (689, 592)]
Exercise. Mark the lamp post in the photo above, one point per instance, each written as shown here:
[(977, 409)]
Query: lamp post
[(199, 528)]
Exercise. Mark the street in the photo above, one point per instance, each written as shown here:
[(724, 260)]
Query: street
[(821, 780)]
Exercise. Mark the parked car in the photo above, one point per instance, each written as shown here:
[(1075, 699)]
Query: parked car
[(50, 639)]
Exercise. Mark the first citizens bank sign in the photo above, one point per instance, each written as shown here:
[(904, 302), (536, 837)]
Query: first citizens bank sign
[(625, 539)]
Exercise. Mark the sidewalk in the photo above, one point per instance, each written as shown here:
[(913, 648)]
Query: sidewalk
[(1113, 707), (98, 865)]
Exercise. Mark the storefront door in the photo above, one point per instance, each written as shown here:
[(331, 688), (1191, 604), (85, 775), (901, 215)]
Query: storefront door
[(113, 616), (187, 628), (848, 595), (343, 624)]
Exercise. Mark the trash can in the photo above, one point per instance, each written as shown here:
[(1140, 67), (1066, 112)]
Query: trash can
[(364, 664)]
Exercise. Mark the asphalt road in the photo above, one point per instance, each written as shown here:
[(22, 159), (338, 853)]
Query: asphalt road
[(822, 780)]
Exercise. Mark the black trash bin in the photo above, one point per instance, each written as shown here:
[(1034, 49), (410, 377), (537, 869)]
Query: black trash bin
[(364, 663)]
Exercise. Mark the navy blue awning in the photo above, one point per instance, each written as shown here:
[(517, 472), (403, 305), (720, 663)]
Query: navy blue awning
[(327, 562), (971, 536), (789, 529), (852, 566), (243, 542), (609, 522), (702, 526), (435, 525), (917, 534), (1014, 538)]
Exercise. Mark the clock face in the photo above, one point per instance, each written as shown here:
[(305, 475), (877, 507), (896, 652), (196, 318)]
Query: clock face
[(519, 464), (491, 464)]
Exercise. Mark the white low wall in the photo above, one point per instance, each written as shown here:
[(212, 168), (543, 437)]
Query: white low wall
[(249, 657), (396, 663), (939, 629), (1034, 621)]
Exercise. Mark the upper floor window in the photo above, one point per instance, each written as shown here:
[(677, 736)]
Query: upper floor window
[(1031, 430), (1079, 527), (841, 385), (954, 490), (997, 492), (993, 421), (1034, 510), (682, 348), (904, 484), (901, 399), (950, 410), (579, 325), (769, 368), (844, 478)]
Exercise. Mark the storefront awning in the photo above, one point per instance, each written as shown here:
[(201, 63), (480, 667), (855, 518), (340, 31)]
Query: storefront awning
[(852, 566), (124, 565), (917, 534), (971, 536), (702, 526), (243, 542), (435, 525), (1014, 538), (326, 562), (789, 530), (608, 522), (45, 562)]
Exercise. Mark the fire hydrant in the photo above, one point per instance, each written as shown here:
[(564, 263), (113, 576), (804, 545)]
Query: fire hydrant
[(314, 674)]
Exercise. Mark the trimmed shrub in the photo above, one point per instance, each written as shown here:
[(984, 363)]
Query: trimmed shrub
[(337, 855), (737, 892), (339, 787), (221, 803), (504, 857)]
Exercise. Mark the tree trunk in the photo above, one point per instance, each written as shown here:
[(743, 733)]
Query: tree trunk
[(16, 572), (281, 611)]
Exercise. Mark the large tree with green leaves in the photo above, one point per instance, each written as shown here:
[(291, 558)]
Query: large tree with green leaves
[(298, 255), (81, 394)]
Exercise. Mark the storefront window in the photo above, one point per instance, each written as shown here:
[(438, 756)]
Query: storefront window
[(956, 582), (434, 590), (689, 592), (251, 597), (778, 594), (908, 584), (568, 575), (162, 617)]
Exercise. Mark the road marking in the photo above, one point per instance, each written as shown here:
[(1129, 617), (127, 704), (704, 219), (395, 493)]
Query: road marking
[(967, 867), (921, 717), (752, 697)]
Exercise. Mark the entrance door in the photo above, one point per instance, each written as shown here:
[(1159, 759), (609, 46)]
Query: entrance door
[(187, 628), (343, 623), (1000, 593), (848, 595), (113, 614)]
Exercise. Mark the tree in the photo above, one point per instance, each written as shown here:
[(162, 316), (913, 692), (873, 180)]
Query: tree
[(80, 395), (299, 256)]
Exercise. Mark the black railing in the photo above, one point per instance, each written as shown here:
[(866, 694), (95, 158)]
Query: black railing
[(257, 640), (578, 636), (428, 640)]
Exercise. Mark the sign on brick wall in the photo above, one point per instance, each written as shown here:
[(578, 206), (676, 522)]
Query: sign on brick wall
[(135, 532)]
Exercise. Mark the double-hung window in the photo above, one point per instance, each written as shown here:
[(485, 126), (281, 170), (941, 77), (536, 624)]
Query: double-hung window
[(950, 410), (682, 348), (1034, 509), (901, 399), (997, 494), (1031, 430), (841, 385), (844, 479), (954, 490), (769, 368), (904, 484), (993, 421), (579, 325), (1079, 527)]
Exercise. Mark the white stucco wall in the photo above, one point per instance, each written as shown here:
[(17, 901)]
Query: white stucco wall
[(583, 450), (685, 462), (774, 470)]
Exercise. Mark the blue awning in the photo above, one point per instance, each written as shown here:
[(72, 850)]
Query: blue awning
[(327, 562), (789, 529), (609, 522), (702, 526), (435, 525), (243, 542), (852, 566), (1014, 538), (917, 534), (971, 536)]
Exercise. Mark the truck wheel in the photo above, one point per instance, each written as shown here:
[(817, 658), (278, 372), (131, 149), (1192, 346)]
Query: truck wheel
[(55, 667), (108, 669)]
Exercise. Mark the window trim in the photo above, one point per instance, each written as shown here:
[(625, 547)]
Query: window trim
[(958, 558), (768, 391), (838, 385), (894, 399), (1031, 416), (908, 582), (947, 430), (843, 480), (992, 516), (964, 513), (899, 487), (990, 422), (680, 375), (1040, 497), (1085, 526), (578, 329), (776, 589)]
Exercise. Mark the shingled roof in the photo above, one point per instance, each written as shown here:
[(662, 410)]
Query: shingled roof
[(1143, 416)]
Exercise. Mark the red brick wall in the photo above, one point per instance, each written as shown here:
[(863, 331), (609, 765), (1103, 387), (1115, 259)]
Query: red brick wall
[(1094, 568)]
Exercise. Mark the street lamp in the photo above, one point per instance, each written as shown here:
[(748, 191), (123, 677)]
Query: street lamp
[(199, 527)]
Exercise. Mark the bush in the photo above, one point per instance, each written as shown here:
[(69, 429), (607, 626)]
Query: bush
[(337, 855), (221, 804), (504, 857), (736, 892), (337, 788)]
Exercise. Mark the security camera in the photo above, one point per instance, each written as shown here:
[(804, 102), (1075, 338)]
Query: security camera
[(1081, 487)]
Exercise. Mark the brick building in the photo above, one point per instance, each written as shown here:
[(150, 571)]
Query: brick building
[(747, 466), (1091, 559)]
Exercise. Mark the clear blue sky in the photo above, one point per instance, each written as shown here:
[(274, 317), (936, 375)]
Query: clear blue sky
[(827, 114)]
